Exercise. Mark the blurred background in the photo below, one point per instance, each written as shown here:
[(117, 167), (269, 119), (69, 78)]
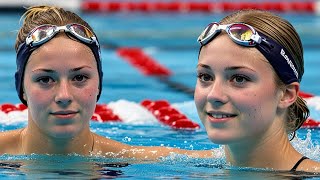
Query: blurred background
[(163, 30), (149, 51)]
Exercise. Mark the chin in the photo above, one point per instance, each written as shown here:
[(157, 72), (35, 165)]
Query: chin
[(65, 133), (222, 137)]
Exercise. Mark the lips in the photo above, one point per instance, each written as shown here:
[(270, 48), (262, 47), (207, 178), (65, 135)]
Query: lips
[(67, 114), (219, 117)]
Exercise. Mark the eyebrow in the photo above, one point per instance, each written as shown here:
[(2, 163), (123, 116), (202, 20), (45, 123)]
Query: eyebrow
[(231, 68), (71, 70), (203, 66)]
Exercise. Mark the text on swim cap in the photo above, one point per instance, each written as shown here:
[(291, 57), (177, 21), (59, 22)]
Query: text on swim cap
[(283, 54)]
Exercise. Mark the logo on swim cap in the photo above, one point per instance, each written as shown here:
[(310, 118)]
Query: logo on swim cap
[(283, 54)]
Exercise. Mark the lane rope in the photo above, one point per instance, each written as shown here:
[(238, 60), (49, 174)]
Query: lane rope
[(197, 6), (146, 112)]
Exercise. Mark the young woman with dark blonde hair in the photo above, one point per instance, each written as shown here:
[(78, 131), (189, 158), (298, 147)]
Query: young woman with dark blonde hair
[(59, 78), (249, 71)]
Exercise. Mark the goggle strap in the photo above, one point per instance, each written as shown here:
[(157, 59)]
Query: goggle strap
[(280, 59), (256, 38)]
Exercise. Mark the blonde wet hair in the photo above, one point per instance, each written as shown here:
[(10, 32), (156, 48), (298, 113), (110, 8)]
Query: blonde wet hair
[(39, 15), (281, 31)]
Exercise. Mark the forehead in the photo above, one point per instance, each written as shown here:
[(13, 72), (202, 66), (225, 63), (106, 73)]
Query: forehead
[(62, 49)]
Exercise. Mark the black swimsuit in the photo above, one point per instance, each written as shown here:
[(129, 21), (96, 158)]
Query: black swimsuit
[(298, 163)]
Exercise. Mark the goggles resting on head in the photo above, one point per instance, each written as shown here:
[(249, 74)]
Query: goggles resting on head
[(245, 35), (43, 34)]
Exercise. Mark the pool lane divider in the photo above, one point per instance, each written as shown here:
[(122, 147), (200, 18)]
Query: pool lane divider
[(161, 110), (310, 123), (144, 63), (169, 115), (197, 6), (165, 113), (148, 66)]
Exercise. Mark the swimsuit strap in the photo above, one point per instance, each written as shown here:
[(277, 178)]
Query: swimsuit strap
[(298, 163)]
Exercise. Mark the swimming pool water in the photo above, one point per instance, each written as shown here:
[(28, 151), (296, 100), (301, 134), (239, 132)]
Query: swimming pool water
[(172, 42)]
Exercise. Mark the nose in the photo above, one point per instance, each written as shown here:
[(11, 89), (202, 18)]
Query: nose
[(63, 94), (217, 95)]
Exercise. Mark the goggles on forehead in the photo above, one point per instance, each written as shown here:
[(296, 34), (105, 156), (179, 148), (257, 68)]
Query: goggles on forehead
[(245, 35), (43, 34)]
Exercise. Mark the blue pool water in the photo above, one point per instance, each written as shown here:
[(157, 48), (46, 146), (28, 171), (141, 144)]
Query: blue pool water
[(172, 42)]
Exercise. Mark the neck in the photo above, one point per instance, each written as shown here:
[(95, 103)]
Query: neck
[(39, 143), (274, 151)]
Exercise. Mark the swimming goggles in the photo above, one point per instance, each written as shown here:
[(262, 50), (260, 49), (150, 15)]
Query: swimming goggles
[(43, 34), (245, 35)]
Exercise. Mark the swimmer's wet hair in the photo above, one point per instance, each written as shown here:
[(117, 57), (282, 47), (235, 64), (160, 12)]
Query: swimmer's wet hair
[(39, 15)]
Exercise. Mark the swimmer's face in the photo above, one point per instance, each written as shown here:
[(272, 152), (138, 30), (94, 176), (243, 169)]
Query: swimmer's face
[(236, 95), (61, 84)]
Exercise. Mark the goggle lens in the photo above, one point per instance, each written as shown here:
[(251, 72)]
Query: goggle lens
[(41, 33), (81, 31), (208, 33), (241, 32)]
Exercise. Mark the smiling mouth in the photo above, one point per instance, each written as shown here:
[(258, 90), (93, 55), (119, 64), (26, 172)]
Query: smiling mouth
[(221, 116)]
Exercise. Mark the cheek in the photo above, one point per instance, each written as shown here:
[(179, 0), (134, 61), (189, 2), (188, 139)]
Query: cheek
[(88, 96), (200, 98), (259, 107), (36, 97)]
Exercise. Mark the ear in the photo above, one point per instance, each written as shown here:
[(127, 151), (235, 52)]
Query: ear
[(98, 90), (290, 94), (24, 96)]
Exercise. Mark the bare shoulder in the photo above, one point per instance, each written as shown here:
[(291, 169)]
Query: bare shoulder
[(9, 141), (310, 166)]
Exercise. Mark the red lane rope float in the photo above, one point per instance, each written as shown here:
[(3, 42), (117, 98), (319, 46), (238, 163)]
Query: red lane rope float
[(168, 115), (146, 64), (195, 6), (161, 109), (310, 123), (305, 95), (103, 113), (6, 108)]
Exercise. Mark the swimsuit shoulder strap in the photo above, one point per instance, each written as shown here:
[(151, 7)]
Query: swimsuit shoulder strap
[(298, 163)]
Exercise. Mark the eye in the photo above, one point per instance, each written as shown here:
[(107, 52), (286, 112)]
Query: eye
[(240, 79), (204, 77), (80, 78), (45, 80)]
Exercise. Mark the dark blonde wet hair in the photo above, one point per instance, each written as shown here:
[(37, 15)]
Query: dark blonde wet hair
[(39, 15), (281, 31)]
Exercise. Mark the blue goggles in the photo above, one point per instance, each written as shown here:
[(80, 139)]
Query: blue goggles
[(43, 34), (245, 35)]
